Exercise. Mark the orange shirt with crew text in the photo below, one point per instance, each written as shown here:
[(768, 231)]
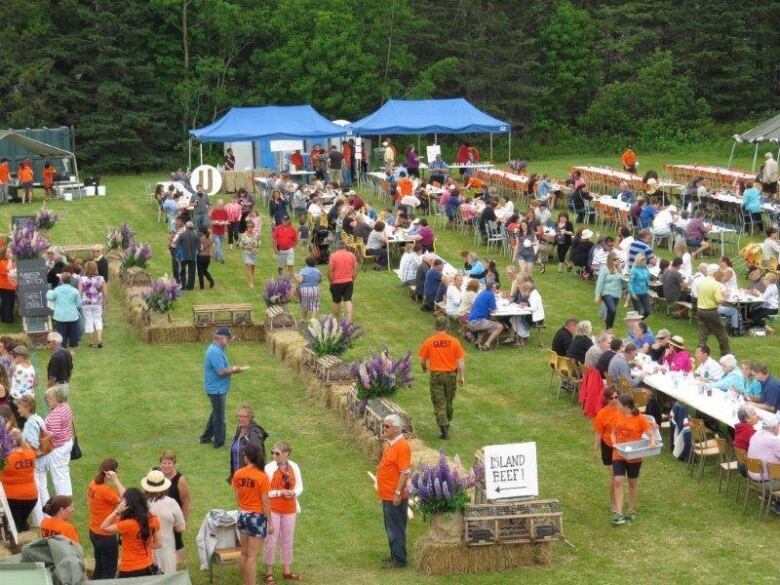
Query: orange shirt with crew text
[(250, 484), (136, 552), (395, 459), (442, 351), (629, 428), (18, 477), (101, 501), (55, 527)]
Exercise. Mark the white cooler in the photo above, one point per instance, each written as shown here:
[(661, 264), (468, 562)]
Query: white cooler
[(89, 191), (101, 190)]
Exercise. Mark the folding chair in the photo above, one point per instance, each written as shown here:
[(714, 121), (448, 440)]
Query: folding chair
[(701, 446), (755, 485), (552, 365)]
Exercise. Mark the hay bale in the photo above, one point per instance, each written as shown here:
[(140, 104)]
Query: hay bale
[(282, 340), (367, 442), (437, 558), (422, 453), (335, 392)]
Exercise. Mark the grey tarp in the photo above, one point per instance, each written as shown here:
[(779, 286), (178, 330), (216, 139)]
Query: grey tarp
[(768, 131)]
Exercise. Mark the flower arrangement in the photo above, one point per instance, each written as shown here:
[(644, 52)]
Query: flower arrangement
[(278, 291), (45, 219), (127, 234), (162, 294), (27, 244), (329, 336), (136, 255), (382, 375), (114, 239), (6, 445), (441, 488)]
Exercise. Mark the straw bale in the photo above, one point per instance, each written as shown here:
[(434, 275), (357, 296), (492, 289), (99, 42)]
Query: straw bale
[(437, 558)]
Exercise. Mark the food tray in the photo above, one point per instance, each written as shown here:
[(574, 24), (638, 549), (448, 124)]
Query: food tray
[(638, 449)]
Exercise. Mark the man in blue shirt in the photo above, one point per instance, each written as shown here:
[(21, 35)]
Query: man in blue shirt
[(770, 389), (479, 318), (648, 215), (640, 246), (625, 194), (432, 282), (216, 382)]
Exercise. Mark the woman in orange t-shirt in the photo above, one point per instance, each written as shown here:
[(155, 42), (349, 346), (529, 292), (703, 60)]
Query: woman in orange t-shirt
[(18, 479), (101, 501), (8, 285), (139, 532), (48, 179), (25, 174), (285, 488), (59, 510), (630, 426), (250, 485), (602, 439)]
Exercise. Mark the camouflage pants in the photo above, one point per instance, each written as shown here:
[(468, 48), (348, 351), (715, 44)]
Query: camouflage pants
[(442, 394)]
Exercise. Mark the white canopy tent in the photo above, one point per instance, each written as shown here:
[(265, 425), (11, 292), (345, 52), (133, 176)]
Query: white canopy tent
[(768, 131)]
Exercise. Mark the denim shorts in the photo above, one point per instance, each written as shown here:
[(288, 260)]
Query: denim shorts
[(252, 524)]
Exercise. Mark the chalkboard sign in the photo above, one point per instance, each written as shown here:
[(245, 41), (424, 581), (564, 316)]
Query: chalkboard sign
[(31, 273), (32, 301), (21, 221)]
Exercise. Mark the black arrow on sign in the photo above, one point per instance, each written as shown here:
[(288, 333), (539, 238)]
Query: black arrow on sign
[(509, 489)]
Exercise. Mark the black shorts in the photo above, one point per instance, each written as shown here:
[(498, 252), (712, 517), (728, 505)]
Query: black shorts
[(621, 468), (606, 453), (341, 292)]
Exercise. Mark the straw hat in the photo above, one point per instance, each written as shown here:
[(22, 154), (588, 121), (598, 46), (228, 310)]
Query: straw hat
[(768, 155), (677, 342), (155, 482), (633, 316)]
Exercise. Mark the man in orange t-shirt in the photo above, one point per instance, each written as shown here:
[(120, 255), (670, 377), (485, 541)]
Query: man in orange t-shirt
[(628, 158), (5, 180), (26, 178), (405, 186), (392, 475), (342, 273), (443, 355)]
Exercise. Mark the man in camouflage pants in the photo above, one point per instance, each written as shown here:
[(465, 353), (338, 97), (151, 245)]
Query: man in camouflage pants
[(443, 355)]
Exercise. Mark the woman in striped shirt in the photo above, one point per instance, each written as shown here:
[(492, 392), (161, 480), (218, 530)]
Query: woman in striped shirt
[(59, 424)]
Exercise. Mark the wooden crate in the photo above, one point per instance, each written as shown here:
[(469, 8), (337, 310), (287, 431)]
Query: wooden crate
[(377, 409), (84, 252), (222, 314), (513, 522), (308, 359), (332, 370), (135, 276), (279, 317)]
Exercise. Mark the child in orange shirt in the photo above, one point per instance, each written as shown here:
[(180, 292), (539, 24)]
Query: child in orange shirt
[(59, 510), (48, 179), (250, 484), (631, 426)]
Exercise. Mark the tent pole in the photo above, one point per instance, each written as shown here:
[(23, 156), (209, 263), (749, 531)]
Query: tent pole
[(755, 156), (201, 153), (491, 146), (732, 154), (76, 168), (436, 139), (189, 154), (510, 146)]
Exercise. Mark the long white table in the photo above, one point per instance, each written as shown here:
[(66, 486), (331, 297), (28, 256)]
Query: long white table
[(722, 406)]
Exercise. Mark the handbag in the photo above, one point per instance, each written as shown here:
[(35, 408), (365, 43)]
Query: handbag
[(75, 450), (45, 443)]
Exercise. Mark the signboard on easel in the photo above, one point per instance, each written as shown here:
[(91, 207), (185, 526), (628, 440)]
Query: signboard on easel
[(432, 150), (510, 471)]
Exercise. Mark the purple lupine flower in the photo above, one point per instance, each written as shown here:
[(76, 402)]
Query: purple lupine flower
[(382, 374), (126, 233), (45, 219), (136, 255), (26, 243), (278, 291), (162, 294), (440, 488)]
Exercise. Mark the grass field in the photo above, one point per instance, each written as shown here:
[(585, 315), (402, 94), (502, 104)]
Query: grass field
[(132, 401)]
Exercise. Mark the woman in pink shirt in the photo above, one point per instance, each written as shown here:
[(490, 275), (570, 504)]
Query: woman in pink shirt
[(59, 424), (677, 357)]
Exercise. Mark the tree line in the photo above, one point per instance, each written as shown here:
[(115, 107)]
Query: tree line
[(134, 76)]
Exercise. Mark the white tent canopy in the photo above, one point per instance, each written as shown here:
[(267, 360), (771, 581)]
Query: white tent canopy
[(768, 131)]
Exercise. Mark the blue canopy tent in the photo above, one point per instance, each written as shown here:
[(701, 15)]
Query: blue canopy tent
[(266, 123), (445, 116)]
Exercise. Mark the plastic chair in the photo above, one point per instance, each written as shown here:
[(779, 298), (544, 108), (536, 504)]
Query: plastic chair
[(552, 365)]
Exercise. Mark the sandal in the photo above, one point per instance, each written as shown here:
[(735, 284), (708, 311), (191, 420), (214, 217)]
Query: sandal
[(269, 579), (291, 577)]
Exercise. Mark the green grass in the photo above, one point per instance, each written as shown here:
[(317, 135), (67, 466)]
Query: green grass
[(132, 401)]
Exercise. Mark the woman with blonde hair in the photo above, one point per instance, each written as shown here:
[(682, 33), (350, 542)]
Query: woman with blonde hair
[(179, 491), (286, 486), (94, 292), (609, 287), (681, 250)]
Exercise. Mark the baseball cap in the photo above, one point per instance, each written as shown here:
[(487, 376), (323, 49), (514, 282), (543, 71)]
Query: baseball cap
[(225, 331)]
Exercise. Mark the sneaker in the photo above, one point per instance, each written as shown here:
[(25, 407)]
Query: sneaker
[(631, 516), (392, 564), (618, 520)]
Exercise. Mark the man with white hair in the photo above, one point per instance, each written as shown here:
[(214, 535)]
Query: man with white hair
[(60, 367), (697, 279), (710, 297), (100, 260), (769, 174), (663, 221), (765, 446), (392, 475)]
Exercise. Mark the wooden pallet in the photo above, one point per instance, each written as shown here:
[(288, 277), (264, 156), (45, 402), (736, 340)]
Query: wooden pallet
[(376, 411), (222, 314), (531, 521), (135, 276)]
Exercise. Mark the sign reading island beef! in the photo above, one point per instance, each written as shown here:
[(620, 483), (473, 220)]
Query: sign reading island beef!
[(510, 471)]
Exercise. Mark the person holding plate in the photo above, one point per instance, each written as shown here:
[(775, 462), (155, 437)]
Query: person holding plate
[(217, 373)]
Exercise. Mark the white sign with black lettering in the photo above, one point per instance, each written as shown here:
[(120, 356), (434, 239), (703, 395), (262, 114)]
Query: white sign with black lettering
[(208, 177), (510, 471)]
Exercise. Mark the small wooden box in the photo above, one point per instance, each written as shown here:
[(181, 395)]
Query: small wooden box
[(222, 314), (278, 317), (135, 276), (513, 522), (377, 409), (332, 370)]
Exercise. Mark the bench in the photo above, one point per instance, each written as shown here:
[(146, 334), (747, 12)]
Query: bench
[(223, 314)]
